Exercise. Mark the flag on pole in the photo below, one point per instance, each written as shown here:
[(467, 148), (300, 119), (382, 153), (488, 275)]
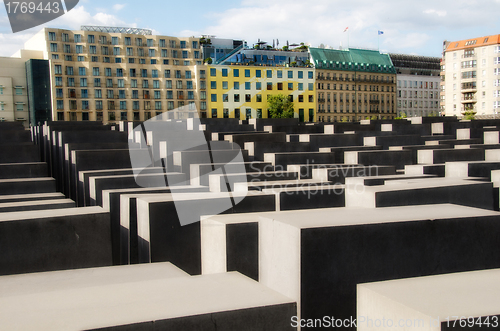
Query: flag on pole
[(346, 29), (380, 32)]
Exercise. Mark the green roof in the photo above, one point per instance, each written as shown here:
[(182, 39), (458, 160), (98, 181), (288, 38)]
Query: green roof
[(352, 60)]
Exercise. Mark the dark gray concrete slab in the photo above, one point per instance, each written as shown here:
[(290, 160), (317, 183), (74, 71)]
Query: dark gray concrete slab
[(281, 160), (19, 153), (47, 240), (27, 185), (7, 207), (162, 238), (394, 158), (23, 170)]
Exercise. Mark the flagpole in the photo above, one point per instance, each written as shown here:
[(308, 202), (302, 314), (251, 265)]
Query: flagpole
[(348, 32)]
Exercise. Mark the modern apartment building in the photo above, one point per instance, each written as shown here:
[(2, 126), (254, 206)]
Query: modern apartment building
[(354, 84), (470, 72), (110, 74), (418, 80), (241, 91), (14, 104)]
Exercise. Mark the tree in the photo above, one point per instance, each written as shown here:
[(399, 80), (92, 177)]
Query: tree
[(208, 60), (469, 115), (280, 106)]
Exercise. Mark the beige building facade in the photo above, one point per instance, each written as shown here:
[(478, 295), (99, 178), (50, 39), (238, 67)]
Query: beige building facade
[(470, 76), (111, 74)]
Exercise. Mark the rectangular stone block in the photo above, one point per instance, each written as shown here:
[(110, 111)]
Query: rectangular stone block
[(8, 207), (120, 232), (397, 159), (422, 192), (283, 159), (200, 172), (27, 186), (437, 156), (326, 253), (23, 170), (98, 184), (47, 240), (338, 173), (162, 238), (442, 302), (161, 300)]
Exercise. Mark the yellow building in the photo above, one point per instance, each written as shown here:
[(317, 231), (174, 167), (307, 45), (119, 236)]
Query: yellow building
[(241, 91)]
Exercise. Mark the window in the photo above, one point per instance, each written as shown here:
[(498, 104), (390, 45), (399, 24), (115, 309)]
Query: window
[(236, 98), (269, 73), (236, 72), (247, 85), (310, 86), (301, 86), (247, 72), (189, 85), (290, 74), (213, 84), (179, 84), (145, 83), (236, 85), (170, 94), (280, 86), (119, 72), (258, 97), (90, 39), (269, 86), (158, 105), (311, 76), (248, 97), (53, 47), (213, 97), (258, 73), (258, 86)]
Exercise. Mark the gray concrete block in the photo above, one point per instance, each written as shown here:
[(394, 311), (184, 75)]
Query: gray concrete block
[(448, 298), (394, 158), (326, 253), (436, 156), (47, 240), (422, 192), (164, 239), (226, 301), (27, 186), (7, 207), (23, 170), (283, 159)]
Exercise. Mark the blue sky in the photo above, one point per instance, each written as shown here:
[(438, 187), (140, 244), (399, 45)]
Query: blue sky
[(410, 27)]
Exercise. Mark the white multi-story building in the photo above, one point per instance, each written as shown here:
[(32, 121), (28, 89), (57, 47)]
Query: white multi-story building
[(418, 85), (470, 72), (13, 87)]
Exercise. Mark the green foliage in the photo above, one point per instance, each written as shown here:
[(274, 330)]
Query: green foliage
[(280, 106), (373, 117), (469, 115), (208, 60), (285, 48)]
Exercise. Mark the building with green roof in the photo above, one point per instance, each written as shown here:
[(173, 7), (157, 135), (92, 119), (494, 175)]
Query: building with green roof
[(354, 84)]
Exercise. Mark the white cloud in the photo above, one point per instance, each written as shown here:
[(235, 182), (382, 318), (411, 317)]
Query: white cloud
[(407, 26), (118, 7), (73, 20), (440, 13)]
